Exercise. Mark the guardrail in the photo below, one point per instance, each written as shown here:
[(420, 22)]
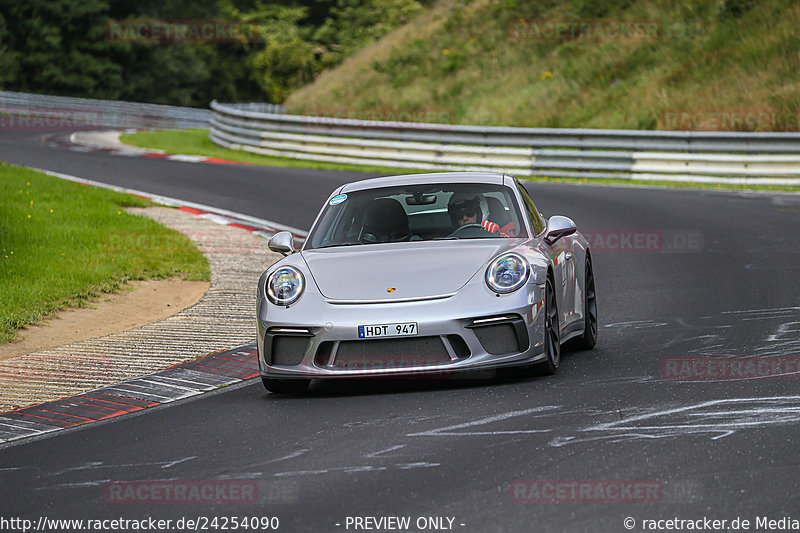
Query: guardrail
[(89, 113), (715, 157)]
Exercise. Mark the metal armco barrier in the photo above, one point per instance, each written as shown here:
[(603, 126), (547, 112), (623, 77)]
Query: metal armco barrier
[(88, 113), (714, 157)]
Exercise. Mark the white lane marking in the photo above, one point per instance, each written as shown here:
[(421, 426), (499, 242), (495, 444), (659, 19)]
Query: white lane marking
[(638, 324), (97, 465), (179, 461), (292, 455), (77, 485), (390, 449), (772, 311), (450, 430), (356, 469), (256, 475), (411, 466), (784, 330), (718, 418)]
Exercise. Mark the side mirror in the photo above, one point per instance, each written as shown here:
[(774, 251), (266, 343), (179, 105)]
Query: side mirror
[(282, 242), (557, 227)]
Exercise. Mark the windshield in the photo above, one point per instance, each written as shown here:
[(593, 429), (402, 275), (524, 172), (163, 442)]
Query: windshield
[(418, 213)]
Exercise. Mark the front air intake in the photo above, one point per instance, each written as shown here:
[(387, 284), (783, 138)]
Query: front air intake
[(288, 350), (501, 336)]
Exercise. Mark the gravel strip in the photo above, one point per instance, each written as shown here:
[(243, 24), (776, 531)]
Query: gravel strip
[(223, 318)]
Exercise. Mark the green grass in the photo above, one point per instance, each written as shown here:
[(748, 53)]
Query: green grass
[(62, 244), (195, 142)]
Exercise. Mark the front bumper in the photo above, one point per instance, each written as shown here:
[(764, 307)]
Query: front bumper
[(472, 330)]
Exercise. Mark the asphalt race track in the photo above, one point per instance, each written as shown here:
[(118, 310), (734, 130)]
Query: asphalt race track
[(684, 277)]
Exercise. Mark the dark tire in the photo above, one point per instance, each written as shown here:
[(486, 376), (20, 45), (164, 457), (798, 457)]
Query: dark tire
[(588, 340), (286, 386), (552, 333)]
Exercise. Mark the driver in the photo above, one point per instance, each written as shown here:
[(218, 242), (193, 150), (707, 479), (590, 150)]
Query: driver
[(469, 208)]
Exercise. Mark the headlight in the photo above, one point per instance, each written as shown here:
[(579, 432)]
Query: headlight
[(285, 285), (507, 273)]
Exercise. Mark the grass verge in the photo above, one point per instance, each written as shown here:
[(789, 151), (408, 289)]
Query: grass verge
[(62, 244), (196, 142), (726, 65)]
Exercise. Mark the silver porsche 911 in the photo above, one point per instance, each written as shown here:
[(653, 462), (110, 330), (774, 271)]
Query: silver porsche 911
[(426, 274)]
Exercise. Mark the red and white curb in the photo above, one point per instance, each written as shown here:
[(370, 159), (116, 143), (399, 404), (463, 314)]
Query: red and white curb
[(184, 380), (107, 141), (259, 226)]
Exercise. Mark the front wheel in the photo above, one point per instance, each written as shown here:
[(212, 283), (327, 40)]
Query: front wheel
[(588, 340), (552, 333), (286, 386)]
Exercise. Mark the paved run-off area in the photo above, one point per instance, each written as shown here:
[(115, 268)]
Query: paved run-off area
[(223, 318)]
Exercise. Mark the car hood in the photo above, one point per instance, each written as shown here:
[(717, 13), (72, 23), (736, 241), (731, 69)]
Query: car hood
[(400, 271)]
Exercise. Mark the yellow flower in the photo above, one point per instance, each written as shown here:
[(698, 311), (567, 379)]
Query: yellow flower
[(29, 184), (548, 75), (445, 51), (51, 210), (119, 212), (12, 252), (29, 216)]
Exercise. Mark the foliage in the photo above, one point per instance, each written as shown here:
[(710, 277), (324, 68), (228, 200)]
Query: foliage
[(64, 47), (57, 45)]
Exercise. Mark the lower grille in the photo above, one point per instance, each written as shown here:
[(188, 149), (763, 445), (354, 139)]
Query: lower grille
[(391, 353), (288, 350)]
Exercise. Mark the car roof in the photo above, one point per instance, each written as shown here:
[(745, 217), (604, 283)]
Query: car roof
[(432, 177)]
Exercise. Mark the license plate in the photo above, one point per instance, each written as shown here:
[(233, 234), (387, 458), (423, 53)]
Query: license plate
[(387, 330)]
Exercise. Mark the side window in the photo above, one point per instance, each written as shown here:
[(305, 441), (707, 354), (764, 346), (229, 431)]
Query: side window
[(533, 213)]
